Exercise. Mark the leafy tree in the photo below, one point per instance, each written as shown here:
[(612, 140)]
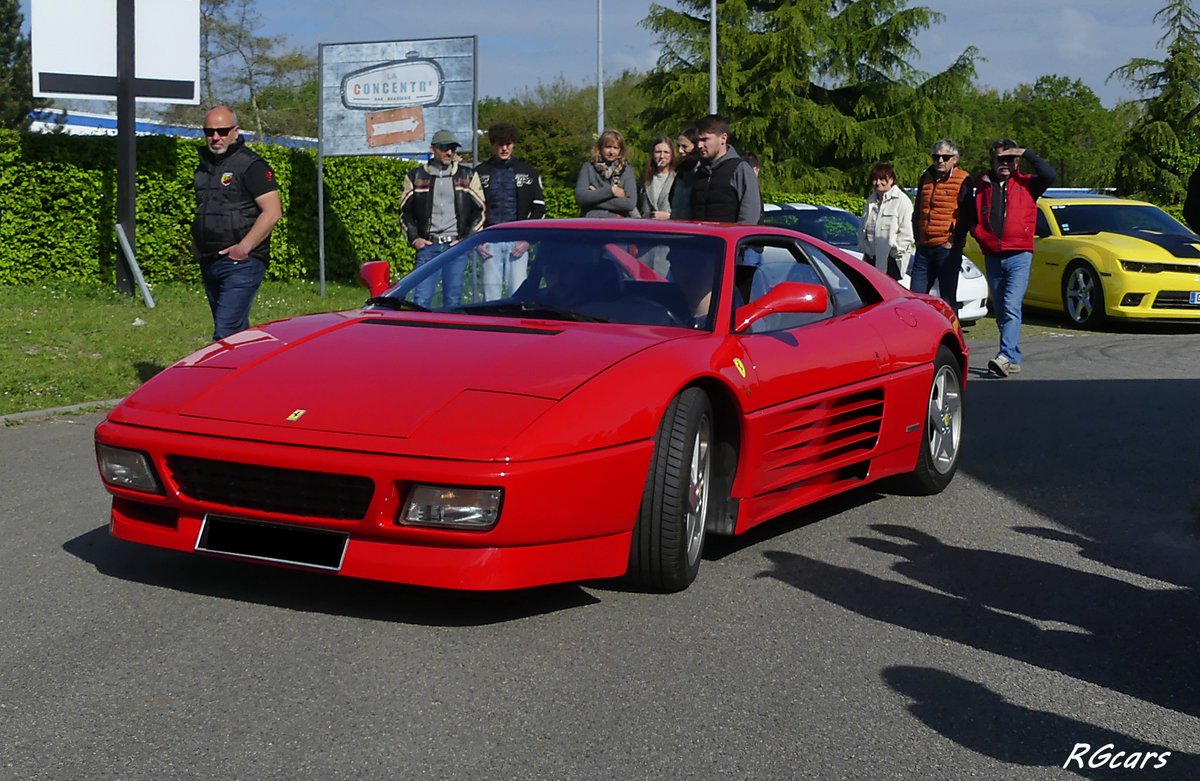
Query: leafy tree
[(273, 89), (16, 80), (821, 90), (1063, 121), (1162, 147)]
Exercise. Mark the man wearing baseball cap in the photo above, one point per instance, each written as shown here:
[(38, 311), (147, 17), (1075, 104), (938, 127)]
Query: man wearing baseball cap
[(442, 203)]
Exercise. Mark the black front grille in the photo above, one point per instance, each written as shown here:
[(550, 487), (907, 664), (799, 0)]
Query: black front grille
[(1175, 299), (291, 491)]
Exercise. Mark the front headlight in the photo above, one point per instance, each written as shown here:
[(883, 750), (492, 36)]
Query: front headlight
[(1141, 266), (127, 469), (970, 270), (452, 507)]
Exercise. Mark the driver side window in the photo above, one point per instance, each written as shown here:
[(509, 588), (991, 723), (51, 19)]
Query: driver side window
[(764, 265), (1043, 227)]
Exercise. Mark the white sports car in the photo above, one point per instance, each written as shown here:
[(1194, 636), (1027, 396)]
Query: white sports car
[(840, 228)]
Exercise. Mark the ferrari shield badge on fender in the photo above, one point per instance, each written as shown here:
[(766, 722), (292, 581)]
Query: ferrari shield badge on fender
[(296, 415), (226, 179), (741, 367)]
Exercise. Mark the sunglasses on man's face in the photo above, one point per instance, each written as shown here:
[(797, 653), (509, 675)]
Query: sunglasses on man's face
[(944, 157), (219, 131), (446, 147), (1009, 160)]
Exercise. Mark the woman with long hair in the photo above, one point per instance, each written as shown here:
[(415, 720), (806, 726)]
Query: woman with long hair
[(658, 180), (607, 186)]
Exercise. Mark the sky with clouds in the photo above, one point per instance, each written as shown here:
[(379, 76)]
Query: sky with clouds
[(526, 42)]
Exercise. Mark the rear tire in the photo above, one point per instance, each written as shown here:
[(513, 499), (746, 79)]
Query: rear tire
[(938, 460), (669, 537), (1083, 296)]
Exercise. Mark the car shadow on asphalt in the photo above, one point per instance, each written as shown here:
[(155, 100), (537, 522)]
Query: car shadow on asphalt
[(1111, 467), (979, 719), (310, 592)]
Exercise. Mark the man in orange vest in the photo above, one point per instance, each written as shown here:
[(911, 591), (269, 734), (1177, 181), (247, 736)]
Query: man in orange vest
[(942, 218)]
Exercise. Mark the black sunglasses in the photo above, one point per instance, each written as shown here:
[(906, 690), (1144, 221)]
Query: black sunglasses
[(944, 157), (1008, 159), (446, 147), (220, 131)]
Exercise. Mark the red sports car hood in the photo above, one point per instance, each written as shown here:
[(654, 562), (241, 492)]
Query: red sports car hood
[(396, 376)]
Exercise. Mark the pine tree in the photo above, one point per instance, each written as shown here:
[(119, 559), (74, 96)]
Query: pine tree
[(1163, 146), (821, 90), (16, 79)]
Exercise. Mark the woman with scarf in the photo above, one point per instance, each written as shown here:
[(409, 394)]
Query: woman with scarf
[(607, 186)]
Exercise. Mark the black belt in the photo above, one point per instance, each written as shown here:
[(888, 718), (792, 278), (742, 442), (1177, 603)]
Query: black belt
[(443, 239)]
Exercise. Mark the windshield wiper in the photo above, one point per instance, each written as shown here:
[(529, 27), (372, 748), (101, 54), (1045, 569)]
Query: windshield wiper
[(531, 309), (387, 302)]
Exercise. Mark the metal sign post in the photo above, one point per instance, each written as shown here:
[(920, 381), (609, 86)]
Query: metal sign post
[(126, 143)]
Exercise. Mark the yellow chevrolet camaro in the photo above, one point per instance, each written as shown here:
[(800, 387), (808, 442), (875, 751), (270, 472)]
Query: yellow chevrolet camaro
[(1097, 257)]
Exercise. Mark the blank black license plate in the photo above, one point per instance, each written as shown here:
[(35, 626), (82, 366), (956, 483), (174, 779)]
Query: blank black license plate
[(272, 542)]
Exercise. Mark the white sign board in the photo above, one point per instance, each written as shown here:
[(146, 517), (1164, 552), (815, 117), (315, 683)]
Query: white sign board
[(75, 49), (389, 98)]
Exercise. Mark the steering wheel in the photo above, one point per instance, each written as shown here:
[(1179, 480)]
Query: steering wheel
[(673, 317)]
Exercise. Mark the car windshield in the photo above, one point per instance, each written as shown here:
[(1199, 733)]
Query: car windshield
[(585, 275), (1081, 219), (837, 227)]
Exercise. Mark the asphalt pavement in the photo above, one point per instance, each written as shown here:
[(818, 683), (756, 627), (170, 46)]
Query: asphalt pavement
[(1047, 599)]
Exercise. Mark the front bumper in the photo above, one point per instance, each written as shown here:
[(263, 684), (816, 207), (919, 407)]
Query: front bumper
[(563, 519)]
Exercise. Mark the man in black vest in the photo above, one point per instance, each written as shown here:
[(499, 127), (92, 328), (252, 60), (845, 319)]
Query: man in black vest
[(512, 189), (237, 205), (724, 187)]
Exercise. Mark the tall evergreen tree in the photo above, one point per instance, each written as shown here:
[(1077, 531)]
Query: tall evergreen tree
[(1163, 146), (16, 78), (820, 89)]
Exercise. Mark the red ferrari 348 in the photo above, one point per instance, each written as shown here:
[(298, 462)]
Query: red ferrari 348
[(570, 400)]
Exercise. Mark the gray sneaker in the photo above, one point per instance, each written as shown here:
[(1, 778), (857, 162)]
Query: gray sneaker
[(1014, 368), (1000, 366)]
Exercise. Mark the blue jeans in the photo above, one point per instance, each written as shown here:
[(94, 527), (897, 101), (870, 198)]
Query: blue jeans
[(451, 275), (231, 286), (1008, 277), (503, 272), (940, 265)]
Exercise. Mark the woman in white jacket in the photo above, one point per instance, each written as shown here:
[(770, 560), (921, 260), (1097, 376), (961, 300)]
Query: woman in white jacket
[(886, 234)]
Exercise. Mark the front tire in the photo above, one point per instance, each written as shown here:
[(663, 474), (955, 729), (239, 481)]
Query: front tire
[(669, 536), (1083, 295), (938, 460)]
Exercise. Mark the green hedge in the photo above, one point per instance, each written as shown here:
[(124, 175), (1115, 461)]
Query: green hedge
[(59, 210)]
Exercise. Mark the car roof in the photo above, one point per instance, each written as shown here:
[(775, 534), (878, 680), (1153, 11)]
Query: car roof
[(1095, 200), (786, 207)]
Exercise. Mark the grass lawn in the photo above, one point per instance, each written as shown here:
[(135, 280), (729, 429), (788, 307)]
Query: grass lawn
[(62, 344)]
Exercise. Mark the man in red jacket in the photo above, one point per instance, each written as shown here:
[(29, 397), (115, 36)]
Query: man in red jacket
[(1005, 220)]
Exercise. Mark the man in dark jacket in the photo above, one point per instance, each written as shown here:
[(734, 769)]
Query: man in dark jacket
[(1005, 223), (441, 204), (724, 187), (237, 205), (512, 189)]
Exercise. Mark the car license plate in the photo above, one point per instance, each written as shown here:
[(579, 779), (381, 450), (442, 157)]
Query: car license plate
[(277, 543), (1194, 297)]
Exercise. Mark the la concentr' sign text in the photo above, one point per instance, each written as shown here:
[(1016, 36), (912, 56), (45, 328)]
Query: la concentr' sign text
[(393, 88), (1104, 756)]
